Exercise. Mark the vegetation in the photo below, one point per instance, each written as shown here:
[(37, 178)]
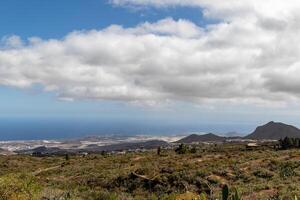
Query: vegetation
[(233, 196), (159, 151), (226, 171), (288, 143), (183, 149)]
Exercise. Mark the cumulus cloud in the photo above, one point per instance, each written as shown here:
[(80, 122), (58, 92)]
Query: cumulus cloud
[(13, 41), (251, 56), (229, 9)]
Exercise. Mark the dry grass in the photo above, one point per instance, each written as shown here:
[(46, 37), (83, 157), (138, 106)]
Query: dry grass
[(260, 174)]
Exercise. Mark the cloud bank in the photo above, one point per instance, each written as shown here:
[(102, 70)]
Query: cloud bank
[(251, 56)]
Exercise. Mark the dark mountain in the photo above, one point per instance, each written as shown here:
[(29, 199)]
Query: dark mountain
[(42, 150), (202, 138), (153, 144), (274, 131)]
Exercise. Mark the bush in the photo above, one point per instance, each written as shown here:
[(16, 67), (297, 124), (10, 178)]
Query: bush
[(286, 170), (182, 149), (262, 173), (194, 150), (234, 195)]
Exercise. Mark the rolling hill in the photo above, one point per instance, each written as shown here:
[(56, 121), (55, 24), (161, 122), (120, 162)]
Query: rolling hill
[(201, 138)]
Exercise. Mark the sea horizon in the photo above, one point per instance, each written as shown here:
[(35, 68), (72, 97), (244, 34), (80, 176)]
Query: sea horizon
[(12, 129)]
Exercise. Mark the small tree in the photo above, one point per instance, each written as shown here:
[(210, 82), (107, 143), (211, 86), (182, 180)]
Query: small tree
[(67, 157), (182, 149), (227, 195), (159, 151), (103, 153), (297, 142), (286, 143), (193, 150)]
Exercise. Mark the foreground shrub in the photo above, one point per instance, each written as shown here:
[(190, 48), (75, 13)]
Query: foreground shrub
[(262, 173), (287, 170), (18, 186), (234, 195)]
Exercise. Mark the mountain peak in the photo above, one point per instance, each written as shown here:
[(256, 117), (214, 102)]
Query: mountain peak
[(274, 131)]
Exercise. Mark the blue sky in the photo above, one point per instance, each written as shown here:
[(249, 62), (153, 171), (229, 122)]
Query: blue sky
[(195, 66), (55, 19)]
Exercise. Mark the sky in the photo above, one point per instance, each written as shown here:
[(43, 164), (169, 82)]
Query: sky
[(150, 65)]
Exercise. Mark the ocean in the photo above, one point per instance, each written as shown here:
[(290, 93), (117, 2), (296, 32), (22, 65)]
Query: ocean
[(64, 128)]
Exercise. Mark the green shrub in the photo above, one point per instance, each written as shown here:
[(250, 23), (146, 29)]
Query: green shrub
[(182, 149), (234, 195), (193, 150), (262, 173), (286, 170), (202, 173)]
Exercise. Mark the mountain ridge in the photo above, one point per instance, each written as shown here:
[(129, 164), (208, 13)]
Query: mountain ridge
[(269, 131)]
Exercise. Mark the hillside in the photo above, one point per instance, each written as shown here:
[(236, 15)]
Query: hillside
[(201, 138), (274, 131), (270, 174)]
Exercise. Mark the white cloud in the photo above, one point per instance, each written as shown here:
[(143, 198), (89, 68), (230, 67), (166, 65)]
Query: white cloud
[(229, 8), (13, 41), (181, 28), (251, 56)]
